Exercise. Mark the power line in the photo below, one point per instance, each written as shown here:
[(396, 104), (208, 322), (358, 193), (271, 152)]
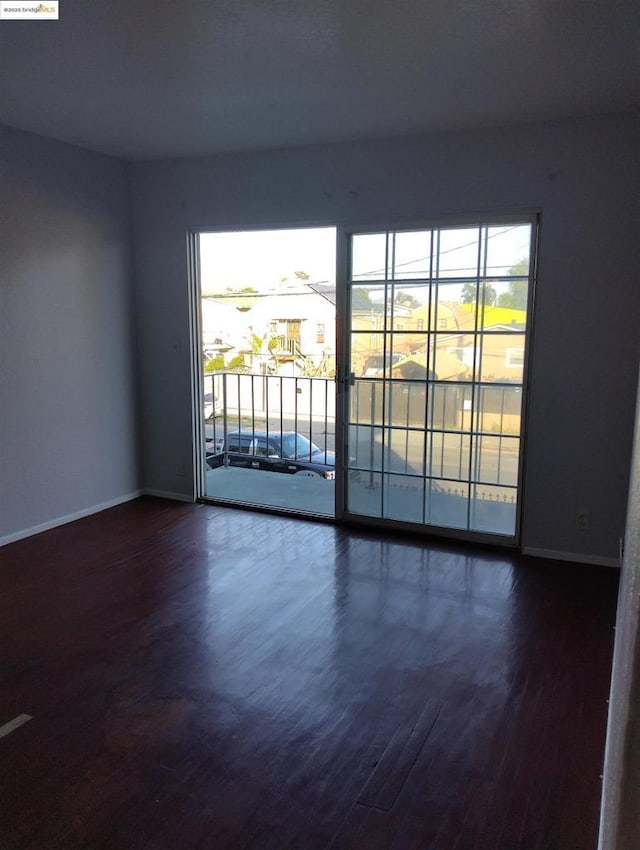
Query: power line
[(448, 251)]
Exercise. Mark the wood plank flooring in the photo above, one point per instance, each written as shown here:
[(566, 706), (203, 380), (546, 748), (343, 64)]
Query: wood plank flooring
[(202, 677)]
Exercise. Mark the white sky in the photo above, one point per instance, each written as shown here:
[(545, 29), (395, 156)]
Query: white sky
[(260, 259)]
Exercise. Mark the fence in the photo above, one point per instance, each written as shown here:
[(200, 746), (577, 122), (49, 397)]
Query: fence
[(271, 403), (254, 402)]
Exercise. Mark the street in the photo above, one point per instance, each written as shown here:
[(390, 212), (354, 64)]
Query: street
[(407, 452)]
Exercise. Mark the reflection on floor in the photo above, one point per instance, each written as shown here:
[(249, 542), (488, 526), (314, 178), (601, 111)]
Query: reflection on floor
[(201, 677)]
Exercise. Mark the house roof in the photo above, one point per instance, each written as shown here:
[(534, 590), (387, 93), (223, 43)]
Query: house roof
[(298, 301), (495, 318), (448, 366), (326, 290)]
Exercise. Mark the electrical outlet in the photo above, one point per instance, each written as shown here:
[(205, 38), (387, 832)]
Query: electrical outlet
[(180, 468), (583, 520)]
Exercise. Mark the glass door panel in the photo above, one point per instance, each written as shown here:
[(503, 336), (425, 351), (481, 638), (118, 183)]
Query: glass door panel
[(267, 319), (437, 338)]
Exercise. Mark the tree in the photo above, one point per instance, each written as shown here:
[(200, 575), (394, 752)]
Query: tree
[(259, 348), (515, 298), (487, 294), (256, 342), (468, 295), (360, 299), (299, 275), (405, 299), (214, 364)]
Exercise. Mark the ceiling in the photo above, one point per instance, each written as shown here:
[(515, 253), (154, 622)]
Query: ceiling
[(142, 79)]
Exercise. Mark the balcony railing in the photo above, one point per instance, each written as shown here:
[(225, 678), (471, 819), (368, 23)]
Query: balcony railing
[(269, 403), (253, 403), (449, 448), (286, 347)]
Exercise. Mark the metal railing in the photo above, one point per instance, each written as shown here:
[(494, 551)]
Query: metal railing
[(261, 404), (287, 346), (271, 404)]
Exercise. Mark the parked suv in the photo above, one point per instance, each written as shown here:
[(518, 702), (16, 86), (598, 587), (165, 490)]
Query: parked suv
[(285, 451)]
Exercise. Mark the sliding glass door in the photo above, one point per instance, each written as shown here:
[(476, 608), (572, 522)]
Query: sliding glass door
[(435, 358), (266, 312), (432, 340)]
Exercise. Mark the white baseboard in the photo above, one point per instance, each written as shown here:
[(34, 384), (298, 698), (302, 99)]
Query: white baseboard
[(576, 557), (63, 520), (165, 494)]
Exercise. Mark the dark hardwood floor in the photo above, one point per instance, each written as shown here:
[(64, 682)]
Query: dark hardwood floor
[(202, 677)]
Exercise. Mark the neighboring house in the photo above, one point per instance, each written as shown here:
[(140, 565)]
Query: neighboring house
[(498, 356), (465, 316), (448, 367), (222, 328), (452, 315), (441, 319), (296, 323)]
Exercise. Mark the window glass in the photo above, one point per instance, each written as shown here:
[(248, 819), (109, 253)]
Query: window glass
[(369, 257), (458, 252), (437, 362), (411, 254), (262, 448), (508, 250), (297, 446)]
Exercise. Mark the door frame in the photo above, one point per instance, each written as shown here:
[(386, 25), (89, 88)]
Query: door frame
[(193, 236), (344, 235)]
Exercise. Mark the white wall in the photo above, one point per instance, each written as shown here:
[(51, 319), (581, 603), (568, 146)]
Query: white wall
[(583, 176), (68, 429)]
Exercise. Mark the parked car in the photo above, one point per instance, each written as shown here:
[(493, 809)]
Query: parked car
[(286, 451)]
